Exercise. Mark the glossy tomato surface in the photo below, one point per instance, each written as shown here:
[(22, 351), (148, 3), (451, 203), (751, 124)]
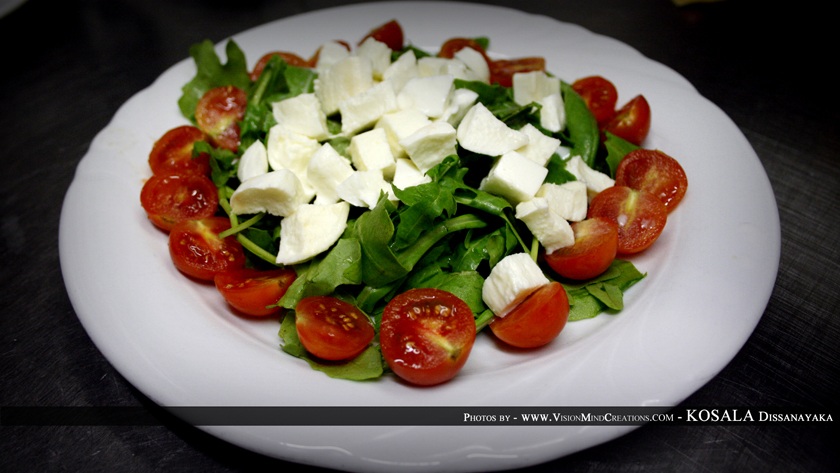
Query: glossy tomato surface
[(172, 153), (169, 200), (600, 96), (332, 329), (632, 121), (426, 335), (655, 172), (595, 248), (291, 59), (640, 216), (254, 292), (197, 251), (390, 33), (502, 70), (218, 114), (537, 320)]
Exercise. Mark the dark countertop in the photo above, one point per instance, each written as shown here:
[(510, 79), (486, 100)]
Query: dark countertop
[(69, 65)]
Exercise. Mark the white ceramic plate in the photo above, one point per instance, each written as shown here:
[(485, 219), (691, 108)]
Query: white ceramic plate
[(709, 276)]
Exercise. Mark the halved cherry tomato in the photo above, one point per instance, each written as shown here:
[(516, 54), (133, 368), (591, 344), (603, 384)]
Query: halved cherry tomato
[(291, 59), (632, 121), (332, 329), (536, 321), (640, 216), (197, 251), (218, 114), (426, 335), (168, 200), (502, 70), (595, 247), (254, 292), (600, 96), (172, 153), (390, 33), (655, 172)]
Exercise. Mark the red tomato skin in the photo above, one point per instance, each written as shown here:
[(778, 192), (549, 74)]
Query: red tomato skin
[(254, 292), (390, 33), (632, 121), (197, 251), (426, 335), (600, 95), (640, 216), (332, 329), (218, 114), (536, 321), (502, 70), (655, 172), (595, 248), (291, 59), (169, 200), (172, 152)]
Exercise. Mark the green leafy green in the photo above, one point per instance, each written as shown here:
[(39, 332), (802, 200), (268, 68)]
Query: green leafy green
[(581, 126), (604, 293), (211, 72), (616, 148)]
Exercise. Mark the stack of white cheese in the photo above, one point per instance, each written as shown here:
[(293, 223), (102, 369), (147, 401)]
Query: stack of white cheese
[(403, 118)]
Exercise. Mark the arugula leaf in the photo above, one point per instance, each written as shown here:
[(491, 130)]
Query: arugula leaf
[(339, 266), (210, 73), (590, 298), (617, 148)]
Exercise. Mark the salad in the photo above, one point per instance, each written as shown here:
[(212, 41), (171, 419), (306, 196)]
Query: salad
[(388, 204)]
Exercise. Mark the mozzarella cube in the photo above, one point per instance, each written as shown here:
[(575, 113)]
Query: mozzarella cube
[(325, 171), (302, 114), (401, 70), (349, 76), (363, 188), (481, 132), (330, 53), (370, 151), (311, 230), (514, 177), (428, 66), (553, 113), (595, 181), (406, 174), (551, 229), (476, 64), (400, 124), (254, 162), (429, 95), (276, 193), (429, 145), (569, 200), (460, 100), (510, 281), (378, 53), (533, 86), (540, 147), (287, 149), (365, 109)]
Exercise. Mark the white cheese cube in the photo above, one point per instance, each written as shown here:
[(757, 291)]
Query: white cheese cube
[(553, 113), (512, 279), (363, 110), (552, 230), (540, 147), (378, 53), (398, 125), (330, 53), (370, 151), (326, 170), (476, 64), (481, 132), (514, 177), (406, 174), (595, 181), (302, 114), (429, 145), (311, 230), (429, 95), (290, 150), (533, 86), (428, 66), (569, 200), (401, 70), (344, 79), (363, 188), (254, 162), (277, 193), (460, 100)]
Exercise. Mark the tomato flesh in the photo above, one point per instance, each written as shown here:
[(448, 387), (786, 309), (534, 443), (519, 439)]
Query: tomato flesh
[(537, 320), (332, 329), (218, 114), (426, 335), (595, 248), (390, 33), (600, 96), (254, 292), (632, 121), (640, 216), (169, 200), (655, 172), (197, 251), (172, 153), (502, 70)]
